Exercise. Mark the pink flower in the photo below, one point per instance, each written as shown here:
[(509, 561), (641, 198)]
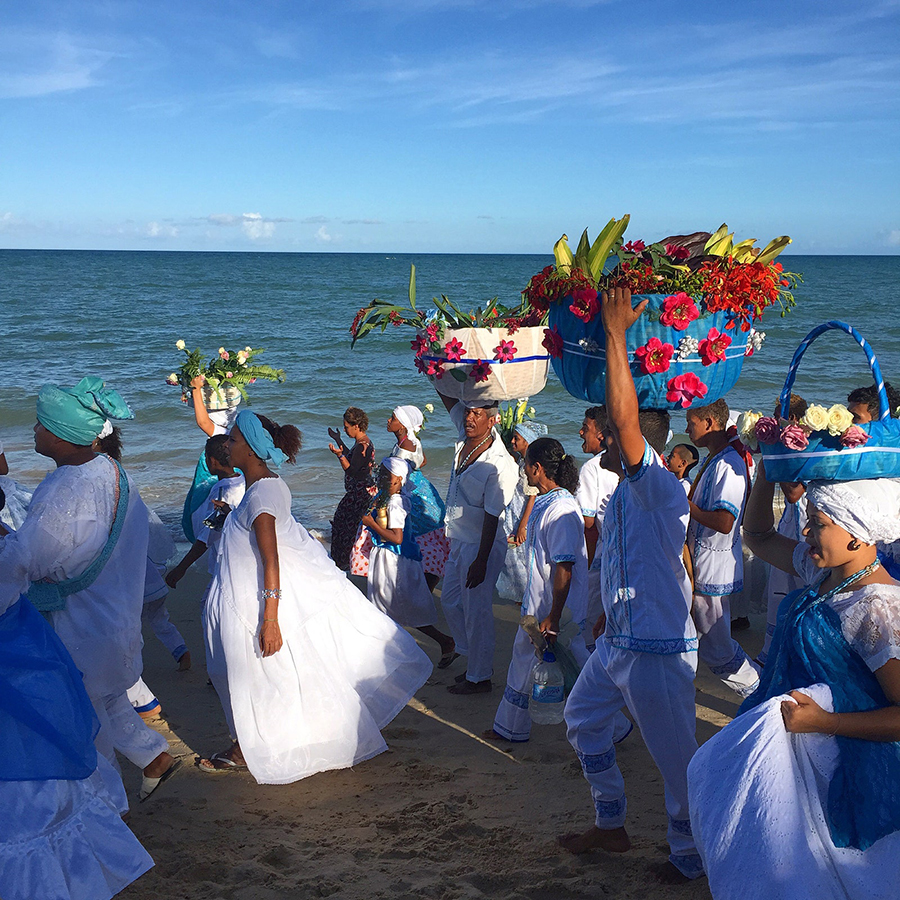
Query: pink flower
[(229, 374), (676, 252), (679, 311), (481, 371), (419, 344), (225, 354), (505, 351), (794, 437), (252, 381), (655, 356), (854, 436), (712, 347), (768, 431), (585, 304), (435, 367), (432, 331), (685, 389), (553, 342), (454, 350)]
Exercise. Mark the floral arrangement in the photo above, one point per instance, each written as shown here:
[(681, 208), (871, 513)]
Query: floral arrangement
[(755, 429), (432, 324), (702, 273), (513, 414), (228, 368)]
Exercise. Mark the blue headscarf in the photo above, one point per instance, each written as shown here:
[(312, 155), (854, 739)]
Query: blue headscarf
[(258, 438), (78, 414), (531, 431)]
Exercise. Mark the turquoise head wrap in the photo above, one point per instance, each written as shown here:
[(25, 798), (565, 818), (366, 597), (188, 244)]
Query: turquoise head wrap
[(78, 414), (531, 431), (258, 438)]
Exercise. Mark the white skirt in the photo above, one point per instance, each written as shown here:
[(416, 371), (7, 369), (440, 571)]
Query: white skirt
[(65, 840), (398, 588)]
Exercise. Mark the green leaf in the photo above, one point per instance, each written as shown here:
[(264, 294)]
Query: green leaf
[(412, 286), (601, 247), (773, 248), (563, 255), (459, 375), (715, 238)]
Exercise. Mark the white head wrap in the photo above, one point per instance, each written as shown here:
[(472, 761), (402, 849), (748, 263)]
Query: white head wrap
[(106, 431), (397, 466), (869, 510), (410, 418)]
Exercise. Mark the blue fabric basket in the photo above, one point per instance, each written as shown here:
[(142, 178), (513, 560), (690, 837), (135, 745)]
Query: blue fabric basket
[(825, 458), (582, 366)]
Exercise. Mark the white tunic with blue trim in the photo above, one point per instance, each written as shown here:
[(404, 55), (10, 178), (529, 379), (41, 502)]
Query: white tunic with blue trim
[(718, 558), (645, 587), (555, 535)]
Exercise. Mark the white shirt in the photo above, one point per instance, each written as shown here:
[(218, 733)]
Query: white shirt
[(686, 483), (555, 535), (486, 485), (222, 419), (645, 588), (718, 558), (595, 486), (228, 490)]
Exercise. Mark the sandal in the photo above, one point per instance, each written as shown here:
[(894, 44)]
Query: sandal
[(219, 762), (471, 687), (149, 785), (447, 659)]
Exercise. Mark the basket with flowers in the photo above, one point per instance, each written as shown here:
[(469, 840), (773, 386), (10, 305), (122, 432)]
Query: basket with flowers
[(490, 353), (705, 295), (825, 443), (226, 375)]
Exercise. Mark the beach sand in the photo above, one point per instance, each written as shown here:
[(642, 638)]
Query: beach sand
[(441, 815)]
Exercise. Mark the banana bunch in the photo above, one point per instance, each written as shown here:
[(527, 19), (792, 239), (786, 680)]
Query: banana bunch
[(722, 244)]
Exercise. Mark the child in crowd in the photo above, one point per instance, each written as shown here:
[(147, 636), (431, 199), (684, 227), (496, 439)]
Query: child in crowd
[(681, 460), (396, 583)]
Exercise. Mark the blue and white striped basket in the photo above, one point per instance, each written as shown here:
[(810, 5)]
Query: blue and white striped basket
[(825, 458)]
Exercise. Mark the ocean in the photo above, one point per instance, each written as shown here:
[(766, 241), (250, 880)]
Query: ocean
[(67, 314)]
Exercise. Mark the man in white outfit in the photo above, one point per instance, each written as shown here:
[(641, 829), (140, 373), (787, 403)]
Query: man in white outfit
[(83, 547), (482, 482), (714, 539), (646, 655)]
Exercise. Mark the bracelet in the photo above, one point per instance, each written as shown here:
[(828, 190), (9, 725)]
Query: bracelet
[(837, 724), (269, 594), (760, 534), (270, 620)]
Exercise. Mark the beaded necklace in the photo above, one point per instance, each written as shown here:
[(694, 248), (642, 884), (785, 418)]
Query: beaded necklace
[(465, 462)]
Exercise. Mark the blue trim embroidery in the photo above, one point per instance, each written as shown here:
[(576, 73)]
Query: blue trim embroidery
[(516, 698), (563, 557), (688, 864), (730, 507), (610, 809), (645, 462), (730, 667), (661, 646), (719, 590), (681, 826), (593, 763)]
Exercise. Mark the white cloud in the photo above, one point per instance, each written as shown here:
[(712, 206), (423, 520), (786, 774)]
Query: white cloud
[(894, 238), (256, 227), (164, 230), (223, 220), (323, 235)]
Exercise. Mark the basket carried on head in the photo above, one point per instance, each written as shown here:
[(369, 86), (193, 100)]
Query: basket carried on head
[(872, 452)]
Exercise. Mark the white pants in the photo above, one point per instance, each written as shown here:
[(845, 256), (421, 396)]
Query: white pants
[(470, 611), (156, 615), (141, 697), (658, 690), (718, 649)]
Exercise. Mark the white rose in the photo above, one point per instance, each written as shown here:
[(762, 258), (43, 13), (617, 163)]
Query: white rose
[(816, 418), (180, 345), (839, 419), (746, 426), (429, 407), (173, 378)]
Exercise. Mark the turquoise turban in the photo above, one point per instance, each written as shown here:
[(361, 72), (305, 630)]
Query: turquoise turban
[(78, 414), (258, 438)]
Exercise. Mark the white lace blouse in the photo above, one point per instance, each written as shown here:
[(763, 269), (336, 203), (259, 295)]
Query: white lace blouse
[(870, 615)]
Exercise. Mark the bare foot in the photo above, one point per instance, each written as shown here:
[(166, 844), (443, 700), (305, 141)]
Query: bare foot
[(491, 735), (160, 765), (613, 840), (184, 661), (667, 873)]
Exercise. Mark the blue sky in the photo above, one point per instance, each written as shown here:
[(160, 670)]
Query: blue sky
[(446, 125)]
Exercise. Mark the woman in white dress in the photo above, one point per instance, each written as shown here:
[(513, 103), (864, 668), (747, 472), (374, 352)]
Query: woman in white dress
[(308, 671), (803, 788)]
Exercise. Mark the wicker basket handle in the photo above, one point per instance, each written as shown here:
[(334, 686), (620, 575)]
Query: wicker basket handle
[(884, 409)]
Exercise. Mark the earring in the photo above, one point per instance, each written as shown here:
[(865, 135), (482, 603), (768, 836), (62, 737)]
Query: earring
[(853, 545)]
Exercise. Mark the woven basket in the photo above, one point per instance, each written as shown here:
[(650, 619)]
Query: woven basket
[(582, 366), (226, 396), (523, 376), (825, 458)]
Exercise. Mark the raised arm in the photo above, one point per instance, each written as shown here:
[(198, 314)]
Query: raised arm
[(621, 397), (207, 426), (759, 526)]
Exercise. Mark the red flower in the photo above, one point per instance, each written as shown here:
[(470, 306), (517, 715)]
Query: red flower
[(421, 365), (432, 331), (713, 346), (685, 389), (655, 356), (553, 342), (585, 304), (635, 247), (419, 344), (679, 311), (768, 431), (674, 251), (435, 367), (454, 350), (356, 320), (742, 289), (395, 318), (481, 371), (504, 351), (854, 436)]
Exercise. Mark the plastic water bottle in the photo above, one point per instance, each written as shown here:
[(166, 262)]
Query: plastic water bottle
[(548, 697)]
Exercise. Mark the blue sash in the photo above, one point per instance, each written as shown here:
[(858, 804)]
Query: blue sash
[(47, 723), (200, 488), (50, 596), (809, 648)]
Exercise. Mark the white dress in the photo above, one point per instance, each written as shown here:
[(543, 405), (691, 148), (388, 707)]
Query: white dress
[(345, 669), (397, 583), (17, 499)]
